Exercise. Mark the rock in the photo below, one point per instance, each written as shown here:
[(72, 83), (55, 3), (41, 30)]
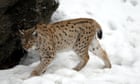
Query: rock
[(20, 14)]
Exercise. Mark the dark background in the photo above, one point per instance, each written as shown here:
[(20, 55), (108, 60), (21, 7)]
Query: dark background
[(20, 14)]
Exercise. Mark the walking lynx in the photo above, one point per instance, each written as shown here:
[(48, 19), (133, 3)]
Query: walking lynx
[(75, 34)]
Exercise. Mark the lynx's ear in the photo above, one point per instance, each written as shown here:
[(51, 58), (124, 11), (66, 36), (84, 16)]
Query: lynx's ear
[(31, 30), (27, 31)]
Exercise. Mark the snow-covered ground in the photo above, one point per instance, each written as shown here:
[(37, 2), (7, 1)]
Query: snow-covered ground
[(120, 21)]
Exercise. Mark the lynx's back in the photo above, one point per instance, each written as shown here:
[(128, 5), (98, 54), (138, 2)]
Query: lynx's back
[(66, 33)]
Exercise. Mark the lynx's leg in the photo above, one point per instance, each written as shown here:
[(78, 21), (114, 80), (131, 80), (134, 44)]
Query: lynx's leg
[(84, 57), (45, 60), (81, 49), (100, 52)]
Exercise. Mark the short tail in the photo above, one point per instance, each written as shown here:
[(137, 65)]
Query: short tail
[(99, 31), (100, 34)]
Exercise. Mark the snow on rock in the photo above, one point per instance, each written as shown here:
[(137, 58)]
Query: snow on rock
[(120, 22)]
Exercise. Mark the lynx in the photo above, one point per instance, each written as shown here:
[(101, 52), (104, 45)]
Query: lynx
[(76, 34)]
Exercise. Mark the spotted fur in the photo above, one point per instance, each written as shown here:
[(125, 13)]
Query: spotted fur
[(76, 34)]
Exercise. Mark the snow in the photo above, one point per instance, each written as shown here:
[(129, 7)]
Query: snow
[(120, 21)]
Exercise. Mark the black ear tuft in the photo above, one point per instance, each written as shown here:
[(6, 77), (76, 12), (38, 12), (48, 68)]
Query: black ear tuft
[(100, 34)]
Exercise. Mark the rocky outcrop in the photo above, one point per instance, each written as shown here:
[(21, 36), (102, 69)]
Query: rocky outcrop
[(20, 14)]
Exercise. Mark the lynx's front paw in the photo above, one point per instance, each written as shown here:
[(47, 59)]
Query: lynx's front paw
[(35, 73)]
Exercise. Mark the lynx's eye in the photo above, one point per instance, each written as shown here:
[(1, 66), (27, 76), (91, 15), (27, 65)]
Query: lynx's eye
[(34, 34)]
